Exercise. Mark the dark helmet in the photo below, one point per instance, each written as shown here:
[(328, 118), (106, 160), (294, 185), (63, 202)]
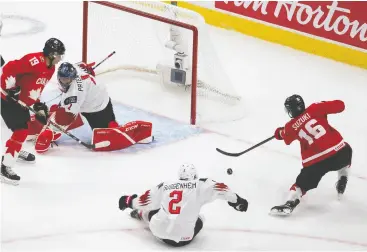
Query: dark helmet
[(294, 105), (65, 75), (53, 47)]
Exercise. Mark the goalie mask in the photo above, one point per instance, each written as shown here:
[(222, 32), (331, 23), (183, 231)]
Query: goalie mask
[(294, 105), (65, 75), (187, 172)]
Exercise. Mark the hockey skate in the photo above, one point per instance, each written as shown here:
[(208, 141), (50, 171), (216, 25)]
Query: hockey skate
[(9, 176), (341, 185), (286, 209), (27, 157), (135, 214)]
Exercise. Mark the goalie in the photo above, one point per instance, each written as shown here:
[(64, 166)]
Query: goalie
[(82, 95)]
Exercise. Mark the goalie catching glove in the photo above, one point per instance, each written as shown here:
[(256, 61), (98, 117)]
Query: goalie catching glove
[(88, 68)]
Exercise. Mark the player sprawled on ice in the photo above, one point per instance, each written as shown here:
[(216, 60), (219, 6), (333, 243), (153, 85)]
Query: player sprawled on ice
[(82, 95), (323, 149), (172, 208), (23, 81)]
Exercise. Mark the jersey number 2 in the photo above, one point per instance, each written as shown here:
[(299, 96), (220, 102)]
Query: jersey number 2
[(176, 198), (315, 131)]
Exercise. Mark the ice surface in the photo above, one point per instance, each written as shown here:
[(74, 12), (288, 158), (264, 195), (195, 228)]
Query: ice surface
[(68, 200)]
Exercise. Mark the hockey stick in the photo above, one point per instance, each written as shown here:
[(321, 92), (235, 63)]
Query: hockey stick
[(89, 146), (243, 152), (104, 59)]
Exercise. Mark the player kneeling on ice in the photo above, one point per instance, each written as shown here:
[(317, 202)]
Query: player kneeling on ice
[(172, 208), (82, 95), (323, 149)]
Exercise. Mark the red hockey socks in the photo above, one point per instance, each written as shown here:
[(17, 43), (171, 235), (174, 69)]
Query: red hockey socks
[(13, 146), (295, 193)]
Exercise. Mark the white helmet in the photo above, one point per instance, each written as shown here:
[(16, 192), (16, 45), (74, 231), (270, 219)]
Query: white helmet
[(187, 172)]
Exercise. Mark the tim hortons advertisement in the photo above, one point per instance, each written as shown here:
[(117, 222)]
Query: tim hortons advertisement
[(344, 21)]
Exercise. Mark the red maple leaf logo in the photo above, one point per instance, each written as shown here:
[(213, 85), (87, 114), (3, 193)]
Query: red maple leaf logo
[(220, 187), (11, 148), (145, 198)]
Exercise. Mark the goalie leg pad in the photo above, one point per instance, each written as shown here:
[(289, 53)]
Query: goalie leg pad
[(121, 137), (35, 127), (140, 131), (44, 140)]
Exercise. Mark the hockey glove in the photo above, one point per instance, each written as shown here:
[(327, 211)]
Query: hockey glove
[(278, 134), (42, 112), (126, 201), (88, 68), (241, 204), (13, 93)]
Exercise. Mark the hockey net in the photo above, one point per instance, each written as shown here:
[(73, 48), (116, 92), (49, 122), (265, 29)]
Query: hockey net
[(160, 43)]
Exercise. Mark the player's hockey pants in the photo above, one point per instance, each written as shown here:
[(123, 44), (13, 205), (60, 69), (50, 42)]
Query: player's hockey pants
[(198, 226), (15, 116), (310, 176), (102, 118)]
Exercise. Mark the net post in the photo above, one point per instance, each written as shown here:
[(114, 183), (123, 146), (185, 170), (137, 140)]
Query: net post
[(85, 31), (194, 74)]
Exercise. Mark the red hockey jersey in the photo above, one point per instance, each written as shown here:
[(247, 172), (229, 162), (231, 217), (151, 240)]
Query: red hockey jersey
[(317, 138), (30, 73)]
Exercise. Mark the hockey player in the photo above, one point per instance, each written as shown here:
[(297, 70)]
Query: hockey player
[(323, 149), (81, 94), (172, 208), (24, 80)]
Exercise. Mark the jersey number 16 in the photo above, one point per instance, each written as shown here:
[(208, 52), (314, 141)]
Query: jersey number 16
[(314, 131)]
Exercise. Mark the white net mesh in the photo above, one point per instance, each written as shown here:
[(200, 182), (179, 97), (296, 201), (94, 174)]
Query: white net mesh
[(139, 43)]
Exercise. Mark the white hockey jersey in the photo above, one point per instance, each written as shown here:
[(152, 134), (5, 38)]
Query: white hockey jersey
[(84, 94), (180, 203)]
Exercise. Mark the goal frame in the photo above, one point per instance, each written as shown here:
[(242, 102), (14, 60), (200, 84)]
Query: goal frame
[(195, 42)]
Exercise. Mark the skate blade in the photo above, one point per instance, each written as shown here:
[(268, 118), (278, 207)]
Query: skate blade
[(9, 181), (275, 212), (25, 161), (340, 196)]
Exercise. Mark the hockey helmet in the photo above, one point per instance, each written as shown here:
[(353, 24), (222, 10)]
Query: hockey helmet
[(294, 105), (187, 172), (65, 75), (53, 47)]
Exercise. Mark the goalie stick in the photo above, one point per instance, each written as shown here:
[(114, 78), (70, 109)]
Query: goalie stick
[(245, 151)]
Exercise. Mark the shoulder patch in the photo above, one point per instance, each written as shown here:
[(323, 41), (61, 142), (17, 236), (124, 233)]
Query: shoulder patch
[(70, 100)]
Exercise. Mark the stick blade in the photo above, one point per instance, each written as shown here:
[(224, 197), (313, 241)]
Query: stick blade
[(227, 153)]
